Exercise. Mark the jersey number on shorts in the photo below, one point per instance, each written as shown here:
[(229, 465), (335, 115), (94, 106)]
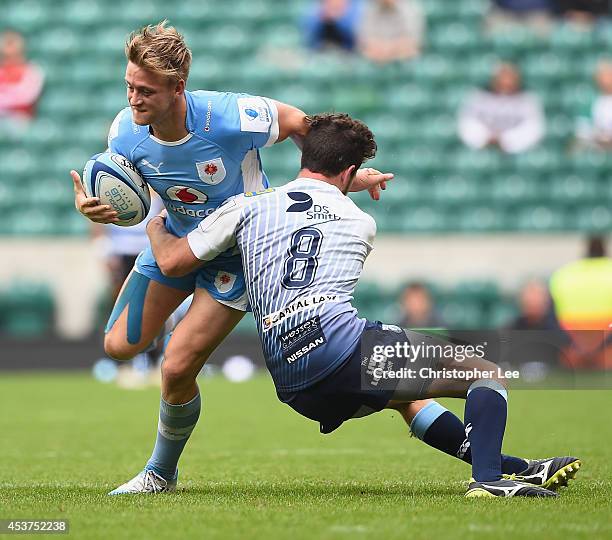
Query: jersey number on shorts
[(301, 264)]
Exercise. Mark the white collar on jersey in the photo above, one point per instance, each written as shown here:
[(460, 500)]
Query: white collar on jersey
[(319, 183), (171, 143)]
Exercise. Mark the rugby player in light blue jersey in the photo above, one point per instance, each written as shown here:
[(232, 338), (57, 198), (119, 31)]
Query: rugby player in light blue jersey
[(195, 149), (303, 247)]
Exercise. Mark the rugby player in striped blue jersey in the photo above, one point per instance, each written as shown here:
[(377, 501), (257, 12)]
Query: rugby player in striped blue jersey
[(303, 247)]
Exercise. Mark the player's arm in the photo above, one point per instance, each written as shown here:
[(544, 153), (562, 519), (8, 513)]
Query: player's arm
[(172, 254), (292, 123), (179, 256), (372, 180)]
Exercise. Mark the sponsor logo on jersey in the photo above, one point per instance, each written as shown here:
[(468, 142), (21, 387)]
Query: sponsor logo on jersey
[(260, 192), (208, 116), (190, 211), (187, 195), (224, 281), (300, 304), (321, 212), (254, 115), (302, 339), (306, 349), (211, 172), (303, 201)]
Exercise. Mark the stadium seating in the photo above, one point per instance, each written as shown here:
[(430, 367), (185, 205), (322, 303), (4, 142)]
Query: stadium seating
[(411, 108), (26, 309), (254, 46), (467, 305)]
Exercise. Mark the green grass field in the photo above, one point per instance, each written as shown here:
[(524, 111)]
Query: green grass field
[(255, 469)]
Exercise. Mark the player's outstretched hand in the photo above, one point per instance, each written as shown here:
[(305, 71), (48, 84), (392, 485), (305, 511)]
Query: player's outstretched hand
[(372, 180), (90, 207)]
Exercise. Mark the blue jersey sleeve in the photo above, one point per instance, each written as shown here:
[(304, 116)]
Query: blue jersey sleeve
[(124, 135), (244, 121)]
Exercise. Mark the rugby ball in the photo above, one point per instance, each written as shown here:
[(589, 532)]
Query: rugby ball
[(116, 182)]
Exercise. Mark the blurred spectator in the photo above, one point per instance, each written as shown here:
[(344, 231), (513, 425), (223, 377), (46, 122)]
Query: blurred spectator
[(507, 14), (594, 126), (536, 309), (583, 12), (418, 310), (537, 314), (21, 82), (502, 115), (391, 30), (582, 291), (331, 24)]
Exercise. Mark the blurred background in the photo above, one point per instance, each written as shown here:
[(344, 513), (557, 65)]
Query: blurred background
[(494, 115)]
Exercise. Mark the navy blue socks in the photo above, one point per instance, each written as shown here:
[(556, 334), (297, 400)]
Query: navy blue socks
[(439, 428), (485, 421)]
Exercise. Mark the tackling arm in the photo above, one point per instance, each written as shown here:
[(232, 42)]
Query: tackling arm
[(173, 254), (215, 234)]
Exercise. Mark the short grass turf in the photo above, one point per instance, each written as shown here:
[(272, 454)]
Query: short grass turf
[(255, 469)]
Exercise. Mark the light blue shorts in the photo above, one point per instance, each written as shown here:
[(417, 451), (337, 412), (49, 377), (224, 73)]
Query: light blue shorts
[(222, 277)]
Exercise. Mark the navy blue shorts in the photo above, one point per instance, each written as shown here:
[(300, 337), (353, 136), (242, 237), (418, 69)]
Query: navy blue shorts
[(342, 394)]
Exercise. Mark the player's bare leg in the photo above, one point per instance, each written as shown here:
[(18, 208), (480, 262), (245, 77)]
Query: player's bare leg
[(140, 312), (203, 328)]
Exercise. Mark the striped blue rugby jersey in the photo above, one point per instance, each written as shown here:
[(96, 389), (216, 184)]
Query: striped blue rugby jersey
[(303, 247)]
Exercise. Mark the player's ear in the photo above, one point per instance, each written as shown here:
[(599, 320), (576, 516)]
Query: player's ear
[(347, 176), (179, 88)]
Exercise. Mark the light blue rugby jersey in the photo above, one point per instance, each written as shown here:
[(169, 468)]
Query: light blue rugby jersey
[(303, 247), (217, 159)]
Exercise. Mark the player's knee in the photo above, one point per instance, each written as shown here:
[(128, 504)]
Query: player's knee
[(414, 407), (118, 349), (175, 374), (496, 374), (502, 381)]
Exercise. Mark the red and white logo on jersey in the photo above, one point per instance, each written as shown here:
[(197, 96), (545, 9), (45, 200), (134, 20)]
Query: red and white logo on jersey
[(224, 281), (186, 195), (211, 172)]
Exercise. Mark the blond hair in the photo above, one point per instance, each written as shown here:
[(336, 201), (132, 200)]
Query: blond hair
[(160, 49)]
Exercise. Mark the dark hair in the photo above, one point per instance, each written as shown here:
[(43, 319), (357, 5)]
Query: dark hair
[(335, 142)]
